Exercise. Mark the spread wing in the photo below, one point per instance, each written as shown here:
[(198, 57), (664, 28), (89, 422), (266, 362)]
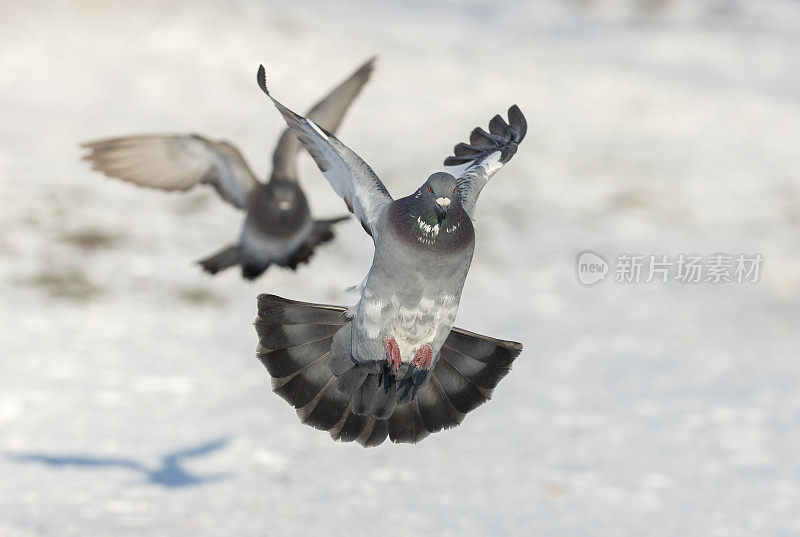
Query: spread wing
[(328, 114), (174, 162), (473, 164), (351, 177)]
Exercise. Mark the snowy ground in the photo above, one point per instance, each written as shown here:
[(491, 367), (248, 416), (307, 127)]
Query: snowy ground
[(130, 399)]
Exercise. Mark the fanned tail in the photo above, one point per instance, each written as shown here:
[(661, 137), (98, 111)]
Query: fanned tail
[(301, 345)]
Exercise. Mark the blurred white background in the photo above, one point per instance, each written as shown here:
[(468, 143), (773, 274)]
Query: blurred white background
[(131, 402)]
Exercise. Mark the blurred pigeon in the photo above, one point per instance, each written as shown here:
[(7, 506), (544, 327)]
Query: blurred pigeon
[(393, 364), (278, 226)]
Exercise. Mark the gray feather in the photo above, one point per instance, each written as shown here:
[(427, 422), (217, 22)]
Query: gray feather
[(341, 360), (287, 361), (327, 113), (174, 162), (325, 410), (302, 387), (351, 428), (281, 336), (406, 425), (374, 434), (362, 398), (277, 310), (384, 398), (351, 380), (436, 410)]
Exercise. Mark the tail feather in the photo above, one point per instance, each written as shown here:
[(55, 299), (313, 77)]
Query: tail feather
[(462, 393), (326, 410), (251, 270), (340, 362), (363, 438), (482, 360), (406, 424), (483, 375), (302, 387), (362, 398), (288, 361), (436, 410), (351, 380), (490, 351), (321, 233), (384, 398), (305, 348), (376, 435), (281, 336), (276, 310), (352, 427), (225, 258)]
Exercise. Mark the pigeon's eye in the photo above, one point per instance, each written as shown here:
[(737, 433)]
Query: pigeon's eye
[(430, 190), (454, 190)]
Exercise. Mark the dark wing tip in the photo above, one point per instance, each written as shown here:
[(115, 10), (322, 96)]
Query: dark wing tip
[(365, 71), (518, 123), (502, 136), (499, 127), (261, 77), (457, 161), (466, 150), (514, 346), (366, 68), (369, 65)]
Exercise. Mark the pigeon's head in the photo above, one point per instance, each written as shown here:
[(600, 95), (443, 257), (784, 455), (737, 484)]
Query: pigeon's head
[(439, 190), (283, 195)]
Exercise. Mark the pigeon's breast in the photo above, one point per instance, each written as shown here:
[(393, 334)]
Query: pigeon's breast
[(270, 234), (413, 289), (452, 236), (266, 247)]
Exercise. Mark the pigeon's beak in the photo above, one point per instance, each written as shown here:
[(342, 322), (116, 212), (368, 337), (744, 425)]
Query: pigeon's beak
[(442, 204)]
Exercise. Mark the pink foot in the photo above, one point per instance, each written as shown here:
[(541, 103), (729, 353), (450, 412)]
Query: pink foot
[(392, 353), (422, 360)]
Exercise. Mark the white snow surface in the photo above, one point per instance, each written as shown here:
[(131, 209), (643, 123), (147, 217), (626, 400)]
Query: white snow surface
[(655, 127)]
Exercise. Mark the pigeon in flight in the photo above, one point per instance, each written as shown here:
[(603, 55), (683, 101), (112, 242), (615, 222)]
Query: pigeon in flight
[(393, 365), (278, 226)]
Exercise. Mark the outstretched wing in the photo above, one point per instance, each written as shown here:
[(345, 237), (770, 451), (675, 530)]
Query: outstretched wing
[(174, 162), (328, 114), (473, 164), (350, 177)]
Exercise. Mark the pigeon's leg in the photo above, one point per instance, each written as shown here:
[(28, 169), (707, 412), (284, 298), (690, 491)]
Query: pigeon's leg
[(422, 359), (392, 353)]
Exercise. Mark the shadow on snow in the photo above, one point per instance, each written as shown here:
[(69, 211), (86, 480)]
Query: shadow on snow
[(170, 473)]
